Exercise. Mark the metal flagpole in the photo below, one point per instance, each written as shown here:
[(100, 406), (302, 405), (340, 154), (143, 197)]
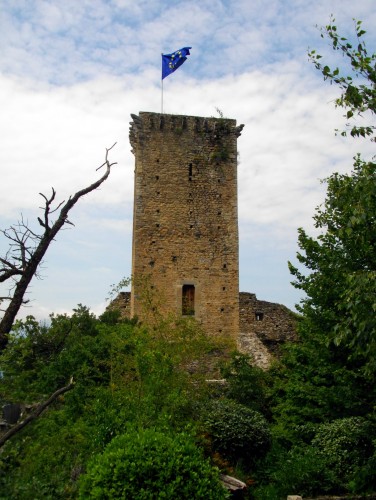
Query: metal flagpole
[(162, 88)]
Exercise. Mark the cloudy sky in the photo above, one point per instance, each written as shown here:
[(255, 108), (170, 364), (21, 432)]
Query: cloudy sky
[(72, 71)]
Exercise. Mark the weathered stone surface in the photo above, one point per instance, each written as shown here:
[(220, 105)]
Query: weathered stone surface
[(185, 226), (264, 326), (123, 304), (232, 484)]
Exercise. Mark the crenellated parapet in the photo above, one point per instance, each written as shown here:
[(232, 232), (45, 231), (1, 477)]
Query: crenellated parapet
[(213, 129)]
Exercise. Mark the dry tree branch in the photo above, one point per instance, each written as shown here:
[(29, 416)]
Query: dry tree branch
[(29, 258), (39, 409)]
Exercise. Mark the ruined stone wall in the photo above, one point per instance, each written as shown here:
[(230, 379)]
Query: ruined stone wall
[(185, 226), (264, 327), (122, 303)]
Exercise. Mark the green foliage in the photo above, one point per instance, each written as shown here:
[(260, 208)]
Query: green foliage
[(46, 459), (300, 470), (124, 374), (333, 461), (359, 86), (247, 384), (147, 464), (341, 284), (315, 382), (345, 445), (235, 431)]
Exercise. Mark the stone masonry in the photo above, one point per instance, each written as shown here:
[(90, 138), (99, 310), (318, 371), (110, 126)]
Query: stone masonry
[(264, 327), (185, 224)]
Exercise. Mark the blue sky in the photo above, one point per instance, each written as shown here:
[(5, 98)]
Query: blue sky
[(71, 72)]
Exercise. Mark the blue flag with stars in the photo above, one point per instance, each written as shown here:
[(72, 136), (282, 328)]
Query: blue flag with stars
[(171, 62)]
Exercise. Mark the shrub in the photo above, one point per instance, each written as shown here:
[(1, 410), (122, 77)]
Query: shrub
[(301, 471), (236, 431), (345, 444), (149, 464)]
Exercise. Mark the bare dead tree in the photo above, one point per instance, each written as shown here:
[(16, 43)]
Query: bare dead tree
[(27, 249)]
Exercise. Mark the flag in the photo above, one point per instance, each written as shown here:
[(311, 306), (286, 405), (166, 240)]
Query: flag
[(171, 62)]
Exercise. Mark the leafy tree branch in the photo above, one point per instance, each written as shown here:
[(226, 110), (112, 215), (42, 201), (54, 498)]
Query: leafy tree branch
[(358, 88)]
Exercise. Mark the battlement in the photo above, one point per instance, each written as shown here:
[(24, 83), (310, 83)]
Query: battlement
[(214, 128)]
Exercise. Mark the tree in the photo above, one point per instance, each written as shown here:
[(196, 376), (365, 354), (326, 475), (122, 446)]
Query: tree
[(341, 261), (358, 88), (324, 385), (341, 284), (27, 249), (330, 374)]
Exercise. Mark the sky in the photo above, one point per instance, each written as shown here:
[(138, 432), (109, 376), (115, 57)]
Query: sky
[(72, 72)]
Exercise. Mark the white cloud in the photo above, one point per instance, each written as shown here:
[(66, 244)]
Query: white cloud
[(70, 75)]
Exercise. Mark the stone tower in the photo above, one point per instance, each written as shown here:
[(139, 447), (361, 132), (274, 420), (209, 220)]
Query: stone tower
[(185, 223)]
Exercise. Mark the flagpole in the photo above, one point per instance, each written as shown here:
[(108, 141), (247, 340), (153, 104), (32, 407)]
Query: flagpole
[(162, 99), (162, 88)]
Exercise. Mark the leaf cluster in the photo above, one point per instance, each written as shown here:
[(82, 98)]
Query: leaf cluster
[(235, 431), (358, 88)]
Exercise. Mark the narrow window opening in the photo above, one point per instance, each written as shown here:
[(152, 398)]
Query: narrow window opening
[(188, 300), (259, 316), (157, 225), (224, 266), (157, 177), (222, 309), (158, 160), (219, 213), (223, 288), (157, 210), (190, 171)]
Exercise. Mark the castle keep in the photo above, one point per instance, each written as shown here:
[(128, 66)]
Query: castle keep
[(185, 223)]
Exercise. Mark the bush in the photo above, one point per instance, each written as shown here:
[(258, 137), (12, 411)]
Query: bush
[(237, 432), (338, 460), (300, 471), (149, 464), (345, 444)]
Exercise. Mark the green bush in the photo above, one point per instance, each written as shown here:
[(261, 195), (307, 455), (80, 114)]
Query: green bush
[(300, 471), (345, 444), (149, 464), (338, 460), (237, 432)]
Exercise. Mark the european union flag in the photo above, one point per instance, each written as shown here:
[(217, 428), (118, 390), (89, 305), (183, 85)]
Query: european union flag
[(171, 62)]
